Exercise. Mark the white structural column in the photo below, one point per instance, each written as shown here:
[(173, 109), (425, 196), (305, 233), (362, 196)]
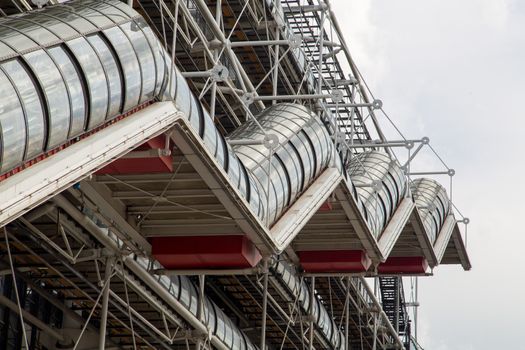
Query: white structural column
[(105, 302)]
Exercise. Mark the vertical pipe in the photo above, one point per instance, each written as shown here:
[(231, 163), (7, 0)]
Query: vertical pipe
[(374, 344), (20, 313), (397, 284), (105, 304), (265, 305), (200, 309), (415, 309), (213, 91), (276, 65), (312, 301), (321, 46), (347, 315)]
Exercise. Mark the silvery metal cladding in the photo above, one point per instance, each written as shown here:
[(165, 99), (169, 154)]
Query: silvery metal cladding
[(220, 325), (300, 290), (304, 149), (380, 185), (433, 204), (67, 70)]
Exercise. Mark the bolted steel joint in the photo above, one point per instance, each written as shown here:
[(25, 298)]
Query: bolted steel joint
[(219, 73), (248, 98), (271, 141), (451, 172), (377, 104), (337, 95), (295, 42)]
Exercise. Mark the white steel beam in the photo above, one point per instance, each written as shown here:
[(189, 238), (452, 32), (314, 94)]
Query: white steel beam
[(299, 213), (32, 186), (395, 226)]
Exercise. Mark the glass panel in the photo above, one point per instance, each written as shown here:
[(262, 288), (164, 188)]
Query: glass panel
[(5, 51), (210, 137), (94, 16), (55, 25), (96, 80), (228, 334), (158, 53), (130, 66), (182, 99), (76, 90), (147, 63), (32, 106), (67, 15), (124, 8), (185, 292), (16, 40), (220, 331), (12, 126), (56, 95), (196, 118), (33, 30), (193, 299), (113, 74)]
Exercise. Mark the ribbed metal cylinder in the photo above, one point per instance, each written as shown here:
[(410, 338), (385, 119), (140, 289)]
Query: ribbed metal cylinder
[(380, 185), (300, 290), (303, 149), (433, 204), (69, 69)]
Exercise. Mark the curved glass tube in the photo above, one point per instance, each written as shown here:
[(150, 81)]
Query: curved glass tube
[(32, 104), (433, 204), (381, 185)]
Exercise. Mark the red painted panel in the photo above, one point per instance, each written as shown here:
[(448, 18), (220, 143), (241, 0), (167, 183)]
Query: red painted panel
[(161, 164), (404, 265), (205, 252), (326, 206), (334, 261)]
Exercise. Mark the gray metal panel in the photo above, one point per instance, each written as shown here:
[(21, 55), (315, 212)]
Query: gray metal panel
[(112, 72), (33, 109), (77, 96), (96, 80), (381, 186), (432, 202), (12, 125), (130, 65), (56, 95)]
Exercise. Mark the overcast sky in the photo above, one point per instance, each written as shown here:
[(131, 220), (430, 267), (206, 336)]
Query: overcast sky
[(454, 71)]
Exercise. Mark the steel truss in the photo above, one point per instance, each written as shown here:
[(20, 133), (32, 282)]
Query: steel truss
[(239, 56)]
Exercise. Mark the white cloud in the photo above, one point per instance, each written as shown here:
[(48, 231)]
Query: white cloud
[(453, 71)]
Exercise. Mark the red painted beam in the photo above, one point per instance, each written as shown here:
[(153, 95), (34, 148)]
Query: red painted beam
[(160, 164), (404, 265), (334, 261), (205, 252)]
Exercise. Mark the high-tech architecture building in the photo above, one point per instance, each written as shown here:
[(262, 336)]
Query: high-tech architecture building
[(205, 174)]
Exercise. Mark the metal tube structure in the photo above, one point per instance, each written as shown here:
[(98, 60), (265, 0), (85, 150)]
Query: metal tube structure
[(72, 75), (265, 304), (30, 318), (105, 303), (312, 303)]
